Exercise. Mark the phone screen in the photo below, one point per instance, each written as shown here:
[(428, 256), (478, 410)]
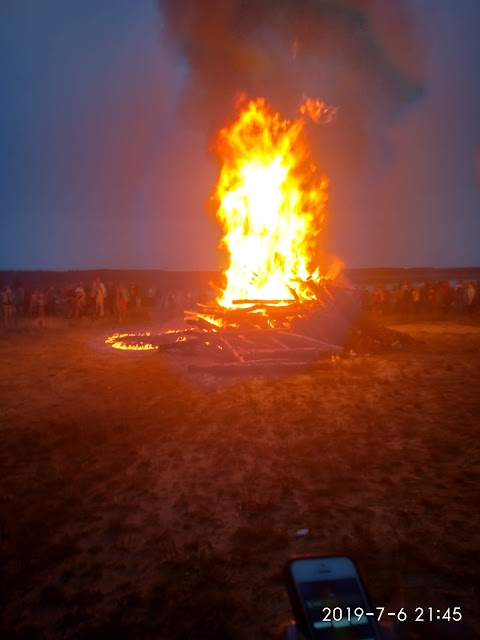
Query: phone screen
[(331, 607), (333, 601)]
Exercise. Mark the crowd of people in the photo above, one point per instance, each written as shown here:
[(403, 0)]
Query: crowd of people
[(118, 300), (431, 299), (92, 301)]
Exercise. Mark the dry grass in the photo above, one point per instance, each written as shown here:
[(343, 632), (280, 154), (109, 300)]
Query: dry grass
[(136, 503)]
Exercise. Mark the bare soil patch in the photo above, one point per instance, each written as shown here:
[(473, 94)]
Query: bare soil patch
[(139, 503)]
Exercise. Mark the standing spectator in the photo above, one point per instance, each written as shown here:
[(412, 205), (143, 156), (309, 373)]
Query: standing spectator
[(50, 302), (137, 296), (470, 295), (42, 308), (100, 293), (33, 304), (7, 302), (443, 299), (387, 301), (80, 301), (19, 298), (398, 299), (416, 300), (407, 299), (69, 296), (459, 300), (152, 296), (170, 306), (135, 299), (378, 299), (429, 297)]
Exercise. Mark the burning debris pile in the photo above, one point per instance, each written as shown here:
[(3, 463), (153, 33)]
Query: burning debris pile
[(271, 207), (271, 336), (262, 335), (276, 309)]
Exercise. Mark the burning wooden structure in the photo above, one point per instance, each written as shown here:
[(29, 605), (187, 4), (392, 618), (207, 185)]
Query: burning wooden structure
[(256, 336), (277, 309), (271, 336)]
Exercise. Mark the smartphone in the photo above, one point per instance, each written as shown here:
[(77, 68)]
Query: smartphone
[(329, 600)]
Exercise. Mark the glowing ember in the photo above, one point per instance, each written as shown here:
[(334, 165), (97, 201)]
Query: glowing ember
[(130, 342), (272, 203)]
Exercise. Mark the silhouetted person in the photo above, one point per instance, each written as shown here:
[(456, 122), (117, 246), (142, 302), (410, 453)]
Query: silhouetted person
[(470, 298), (7, 303), (459, 300), (80, 301), (99, 293)]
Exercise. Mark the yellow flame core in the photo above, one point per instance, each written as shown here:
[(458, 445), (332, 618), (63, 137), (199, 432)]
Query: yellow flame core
[(271, 202)]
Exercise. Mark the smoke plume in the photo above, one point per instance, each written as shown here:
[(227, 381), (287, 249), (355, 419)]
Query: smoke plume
[(363, 56)]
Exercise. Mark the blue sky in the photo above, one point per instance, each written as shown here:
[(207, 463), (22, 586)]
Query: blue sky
[(101, 166)]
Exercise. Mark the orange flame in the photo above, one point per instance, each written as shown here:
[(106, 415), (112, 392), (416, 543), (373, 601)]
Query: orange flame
[(272, 202), (117, 341)]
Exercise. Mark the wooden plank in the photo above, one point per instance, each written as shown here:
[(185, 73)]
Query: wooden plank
[(267, 303), (227, 348), (202, 323), (296, 339)]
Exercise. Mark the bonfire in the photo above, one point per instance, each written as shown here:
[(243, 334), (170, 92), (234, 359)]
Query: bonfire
[(276, 307)]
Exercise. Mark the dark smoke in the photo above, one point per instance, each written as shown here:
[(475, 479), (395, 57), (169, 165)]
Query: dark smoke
[(362, 56)]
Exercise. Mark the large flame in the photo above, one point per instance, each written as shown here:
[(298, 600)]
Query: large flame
[(272, 202), (272, 210)]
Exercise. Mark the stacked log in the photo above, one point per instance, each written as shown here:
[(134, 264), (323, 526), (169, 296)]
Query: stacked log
[(260, 335)]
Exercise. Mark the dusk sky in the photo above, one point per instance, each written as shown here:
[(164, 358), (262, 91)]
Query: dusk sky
[(108, 109)]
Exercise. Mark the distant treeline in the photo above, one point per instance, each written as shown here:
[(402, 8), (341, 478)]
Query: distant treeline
[(390, 275), (199, 279)]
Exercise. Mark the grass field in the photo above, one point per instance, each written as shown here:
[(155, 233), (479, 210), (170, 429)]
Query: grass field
[(137, 503)]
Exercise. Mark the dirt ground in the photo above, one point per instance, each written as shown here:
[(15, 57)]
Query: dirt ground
[(139, 503)]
